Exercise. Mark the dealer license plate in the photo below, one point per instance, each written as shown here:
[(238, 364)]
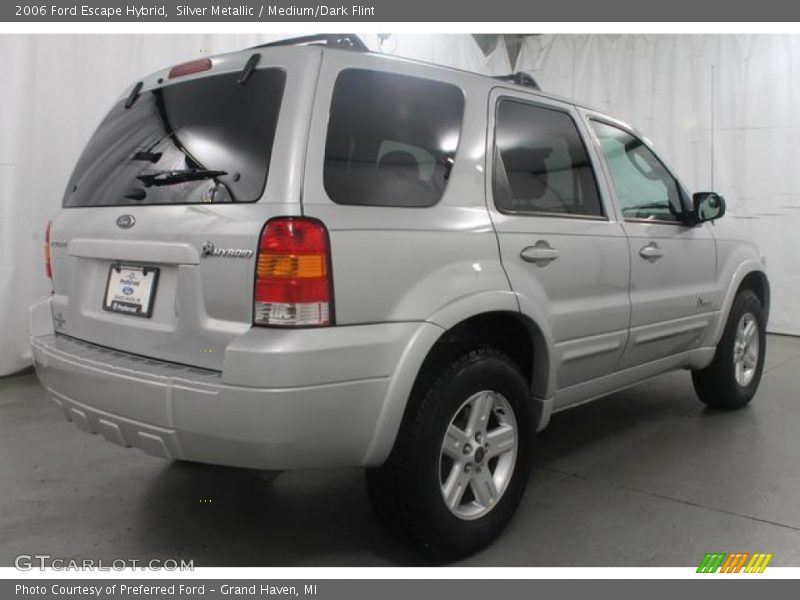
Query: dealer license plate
[(131, 289)]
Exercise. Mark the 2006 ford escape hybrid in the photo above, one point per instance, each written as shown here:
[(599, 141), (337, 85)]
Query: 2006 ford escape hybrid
[(309, 256)]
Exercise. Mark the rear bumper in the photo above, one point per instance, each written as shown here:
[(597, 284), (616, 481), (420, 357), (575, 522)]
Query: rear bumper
[(179, 412)]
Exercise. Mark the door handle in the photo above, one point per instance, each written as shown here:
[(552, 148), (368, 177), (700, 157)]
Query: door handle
[(651, 252), (540, 254)]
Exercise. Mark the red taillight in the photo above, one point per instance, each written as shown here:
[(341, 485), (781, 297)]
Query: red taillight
[(48, 269), (195, 66), (293, 286)]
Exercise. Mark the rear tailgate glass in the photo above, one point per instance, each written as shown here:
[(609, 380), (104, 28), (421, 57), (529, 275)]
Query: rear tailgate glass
[(207, 139)]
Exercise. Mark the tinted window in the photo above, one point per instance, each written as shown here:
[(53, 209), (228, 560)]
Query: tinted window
[(208, 124), (644, 187), (391, 139), (541, 164)]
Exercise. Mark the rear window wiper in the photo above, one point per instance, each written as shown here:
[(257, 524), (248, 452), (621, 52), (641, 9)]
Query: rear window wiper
[(147, 153), (148, 156), (172, 177)]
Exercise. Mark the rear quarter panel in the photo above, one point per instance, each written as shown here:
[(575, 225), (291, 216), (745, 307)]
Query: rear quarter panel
[(407, 264)]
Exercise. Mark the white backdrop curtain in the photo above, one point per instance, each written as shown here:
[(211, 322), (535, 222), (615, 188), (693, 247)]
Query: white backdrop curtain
[(735, 94), (722, 109)]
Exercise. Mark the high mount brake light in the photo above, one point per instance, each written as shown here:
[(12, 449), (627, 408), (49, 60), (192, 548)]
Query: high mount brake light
[(293, 284), (188, 68)]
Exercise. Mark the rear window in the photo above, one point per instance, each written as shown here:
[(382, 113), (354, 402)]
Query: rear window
[(392, 139), (541, 165), (203, 140)]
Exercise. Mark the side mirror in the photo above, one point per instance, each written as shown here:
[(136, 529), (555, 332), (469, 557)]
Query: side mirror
[(708, 206)]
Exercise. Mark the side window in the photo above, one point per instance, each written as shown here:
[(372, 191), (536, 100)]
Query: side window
[(541, 164), (644, 187), (392, 139)]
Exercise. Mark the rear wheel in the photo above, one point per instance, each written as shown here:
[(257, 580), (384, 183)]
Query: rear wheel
[(731, 380), (461, 462)]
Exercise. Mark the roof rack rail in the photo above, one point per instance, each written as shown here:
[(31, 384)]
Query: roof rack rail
[(345, 41), (520, 78)]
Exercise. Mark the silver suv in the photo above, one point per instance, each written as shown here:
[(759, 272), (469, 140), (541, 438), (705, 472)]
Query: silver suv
[(308, 256)]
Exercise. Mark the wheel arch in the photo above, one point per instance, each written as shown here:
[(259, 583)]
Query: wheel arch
[(757, 282), (513, 333), (447, 334), (749, 275)]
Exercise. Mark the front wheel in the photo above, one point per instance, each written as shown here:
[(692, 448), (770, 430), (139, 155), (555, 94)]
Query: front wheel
[(461, 462), (732, 378)]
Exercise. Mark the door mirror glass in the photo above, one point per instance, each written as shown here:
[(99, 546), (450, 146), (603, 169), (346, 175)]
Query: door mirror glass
[(708, 206)]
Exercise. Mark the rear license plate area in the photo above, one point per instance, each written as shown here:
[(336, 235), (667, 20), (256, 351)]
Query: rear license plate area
[(131, 290)]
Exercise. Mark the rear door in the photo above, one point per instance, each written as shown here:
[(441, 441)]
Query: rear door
[(154, 252), (560, 242), (672, 265)]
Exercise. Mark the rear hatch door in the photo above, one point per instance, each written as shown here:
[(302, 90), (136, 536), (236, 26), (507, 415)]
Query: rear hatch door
[(155, 251)]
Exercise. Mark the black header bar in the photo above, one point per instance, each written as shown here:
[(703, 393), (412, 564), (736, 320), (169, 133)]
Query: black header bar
[(468, 11)]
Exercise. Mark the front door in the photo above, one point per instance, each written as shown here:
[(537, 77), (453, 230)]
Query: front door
[(672, 264)]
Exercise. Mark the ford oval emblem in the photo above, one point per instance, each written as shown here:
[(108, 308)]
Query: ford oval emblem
[(125, 221)]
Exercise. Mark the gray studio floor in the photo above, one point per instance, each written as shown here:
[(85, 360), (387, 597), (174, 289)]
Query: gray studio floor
[(644, 477)]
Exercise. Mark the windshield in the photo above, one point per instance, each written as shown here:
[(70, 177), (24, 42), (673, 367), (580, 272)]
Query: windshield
[(203, 140)]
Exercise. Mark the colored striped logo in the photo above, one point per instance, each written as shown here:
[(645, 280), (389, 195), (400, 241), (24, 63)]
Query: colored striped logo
[(736, 562)]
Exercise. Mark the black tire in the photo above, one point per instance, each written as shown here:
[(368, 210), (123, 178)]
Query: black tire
[(406, 492), (716, 385)]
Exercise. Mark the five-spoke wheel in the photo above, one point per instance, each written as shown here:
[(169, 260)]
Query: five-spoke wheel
[(461, 459), (745, 349), (478, 454)]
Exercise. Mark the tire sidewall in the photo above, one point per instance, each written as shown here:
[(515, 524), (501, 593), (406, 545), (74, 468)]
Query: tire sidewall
[(746, 302), (485, 373)]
